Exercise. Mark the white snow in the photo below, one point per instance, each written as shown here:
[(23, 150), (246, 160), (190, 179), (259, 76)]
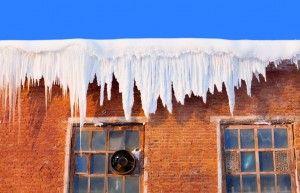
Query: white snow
[(154, 65)]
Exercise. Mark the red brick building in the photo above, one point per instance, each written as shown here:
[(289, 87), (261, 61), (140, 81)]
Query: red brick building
[(199, 147)]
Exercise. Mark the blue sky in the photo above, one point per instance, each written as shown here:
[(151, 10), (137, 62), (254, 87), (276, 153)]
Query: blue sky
[(110, 19)]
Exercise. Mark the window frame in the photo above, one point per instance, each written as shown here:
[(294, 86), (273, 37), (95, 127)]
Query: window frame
[(258, 121), (98, 124)]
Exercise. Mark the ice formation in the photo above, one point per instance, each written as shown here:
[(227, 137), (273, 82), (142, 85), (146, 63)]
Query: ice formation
[(155, 66)]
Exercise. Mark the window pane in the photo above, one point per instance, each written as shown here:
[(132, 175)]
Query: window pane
[(132, 185), (132, 140), (281, 138), (116, 140), (80, 184), (97, 163), (249, 184), (266, 161), (114, 185), (231, 138), (267, 183), (247, 140), (84, 144), (264, 138), (282, 162), (109, 164), (248, 161), (81, 163), (232, 162), (97, 185), (98, 140), (284, 183), (233, 184)]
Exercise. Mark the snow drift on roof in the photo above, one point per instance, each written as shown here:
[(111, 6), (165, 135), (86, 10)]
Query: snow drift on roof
[(156, 66)]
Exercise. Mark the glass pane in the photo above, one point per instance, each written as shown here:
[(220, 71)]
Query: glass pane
[(80, 184), (266, 161), (247, 140), (132, 185), (116, 140), (114, 185), (98, 140), (248, 161), (233, 184), (81, 163), (281, 138), (231, 138), (109, 164), (98, 163), (97, 185), (284, 183), (84, 145), (249, 184), (267, 183), (264, 138), (132, 140)]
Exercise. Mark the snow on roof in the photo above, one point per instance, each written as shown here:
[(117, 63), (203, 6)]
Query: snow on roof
[(156, 66)]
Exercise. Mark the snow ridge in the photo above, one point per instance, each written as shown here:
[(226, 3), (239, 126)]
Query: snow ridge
[(156, 66)]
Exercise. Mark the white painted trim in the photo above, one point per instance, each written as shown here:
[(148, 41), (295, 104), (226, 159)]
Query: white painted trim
[(219, 157), (67, 156)]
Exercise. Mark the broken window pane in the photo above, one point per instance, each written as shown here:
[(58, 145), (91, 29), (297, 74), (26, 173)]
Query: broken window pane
[(80, 184), (284, 183), (247, 140), (97, 185), (264, 138), (267, 183), (248, 161), (266, 161), (132, 140), (84, 143), (116, 140), (81, 163), (231, 138), (98, 163), (98, 140), (281, 160), (249, 183), (281, 138), (232, 162), (233, 184), (132, 185), (114, 185)]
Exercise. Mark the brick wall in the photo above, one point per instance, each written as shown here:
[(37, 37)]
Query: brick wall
[(180, 148)]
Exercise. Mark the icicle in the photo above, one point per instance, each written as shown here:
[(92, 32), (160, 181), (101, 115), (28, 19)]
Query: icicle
[(155, 66)]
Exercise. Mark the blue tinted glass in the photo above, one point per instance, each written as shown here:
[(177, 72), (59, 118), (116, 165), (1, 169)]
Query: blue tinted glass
[(80, 184), (98, 140), (116, 140), (266, 161), (247, 140), (97, 163), (267, 183), (248, 161), (132, 185), (114, 185), (231, 138), (249, 183), (264, 138), (97, 185), (281, 138), (84, 145), (132, 140), (284, 183), (81, 163), (233, 184)]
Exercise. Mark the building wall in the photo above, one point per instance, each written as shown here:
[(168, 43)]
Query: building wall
[(181, 148)]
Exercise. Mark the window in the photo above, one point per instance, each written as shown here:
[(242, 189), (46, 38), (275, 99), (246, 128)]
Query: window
[(258, 158), (91, 150)]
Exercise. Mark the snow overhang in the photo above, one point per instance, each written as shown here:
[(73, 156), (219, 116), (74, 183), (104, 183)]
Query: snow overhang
[(155, 66)]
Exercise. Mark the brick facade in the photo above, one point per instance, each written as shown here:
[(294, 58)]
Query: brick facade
[(181, 148)]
